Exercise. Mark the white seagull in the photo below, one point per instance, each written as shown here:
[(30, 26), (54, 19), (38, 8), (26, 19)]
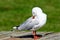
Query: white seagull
[(35, 22)]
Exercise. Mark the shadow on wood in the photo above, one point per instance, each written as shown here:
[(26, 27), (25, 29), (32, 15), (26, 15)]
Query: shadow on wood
[(27, 36)]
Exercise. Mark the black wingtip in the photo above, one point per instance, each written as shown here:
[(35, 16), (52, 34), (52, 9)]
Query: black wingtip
[(17, 27)]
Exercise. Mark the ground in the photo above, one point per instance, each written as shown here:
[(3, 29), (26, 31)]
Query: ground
[(18, 36)]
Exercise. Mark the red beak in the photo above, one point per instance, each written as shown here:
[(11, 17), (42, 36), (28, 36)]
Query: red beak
[(33, 17)]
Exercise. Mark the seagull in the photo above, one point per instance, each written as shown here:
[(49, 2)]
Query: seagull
[(36, 21)]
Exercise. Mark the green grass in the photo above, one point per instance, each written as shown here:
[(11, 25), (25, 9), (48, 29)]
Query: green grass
[(14, 12)]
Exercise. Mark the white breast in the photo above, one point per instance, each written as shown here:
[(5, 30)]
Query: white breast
[(42, 19)]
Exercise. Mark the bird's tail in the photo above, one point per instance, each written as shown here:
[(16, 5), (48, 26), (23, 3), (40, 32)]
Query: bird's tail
[(15, 28)]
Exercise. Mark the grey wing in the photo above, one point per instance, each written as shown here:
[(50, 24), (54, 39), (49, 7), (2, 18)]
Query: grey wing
[(28, 24)]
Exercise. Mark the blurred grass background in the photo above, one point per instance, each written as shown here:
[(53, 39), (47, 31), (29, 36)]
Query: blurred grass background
[(14, 12)]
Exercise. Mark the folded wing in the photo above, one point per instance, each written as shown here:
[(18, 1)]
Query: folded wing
[(28, 24)]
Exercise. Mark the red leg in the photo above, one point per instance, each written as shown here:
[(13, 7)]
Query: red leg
[(35, 36)]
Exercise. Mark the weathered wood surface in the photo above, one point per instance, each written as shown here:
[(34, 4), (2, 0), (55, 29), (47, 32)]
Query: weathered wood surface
[(12, 35)]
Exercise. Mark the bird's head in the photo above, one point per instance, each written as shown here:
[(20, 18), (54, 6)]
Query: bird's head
[(36, 11)]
